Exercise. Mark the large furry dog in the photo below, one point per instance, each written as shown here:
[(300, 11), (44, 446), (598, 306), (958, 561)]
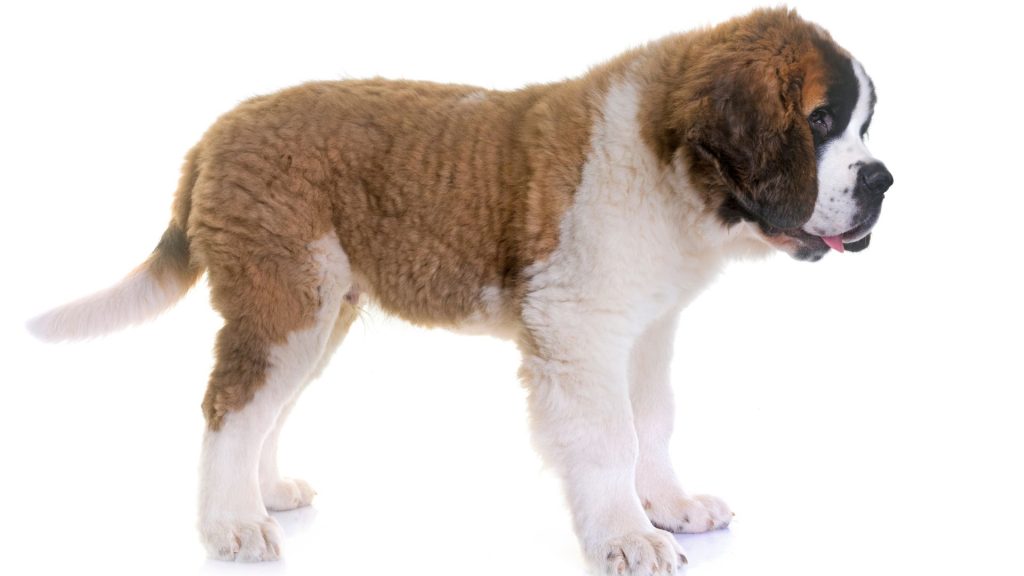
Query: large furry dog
[(577, 218)]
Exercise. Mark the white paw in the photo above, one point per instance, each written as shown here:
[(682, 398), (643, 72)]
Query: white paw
[(255, 540), (650, 553), (689, 514), (720, 512), (287, 494)]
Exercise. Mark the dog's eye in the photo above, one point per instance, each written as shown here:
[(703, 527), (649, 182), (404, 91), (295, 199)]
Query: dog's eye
[(821, 121)]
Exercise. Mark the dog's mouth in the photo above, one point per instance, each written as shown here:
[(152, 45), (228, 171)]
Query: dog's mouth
[(804, 245), (810, 247), (801, 244), (853, 240)]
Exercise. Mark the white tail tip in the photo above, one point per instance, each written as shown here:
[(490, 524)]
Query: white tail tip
[(137, 298)]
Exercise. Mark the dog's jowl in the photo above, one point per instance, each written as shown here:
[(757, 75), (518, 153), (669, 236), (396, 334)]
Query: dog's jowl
[(575, 218)]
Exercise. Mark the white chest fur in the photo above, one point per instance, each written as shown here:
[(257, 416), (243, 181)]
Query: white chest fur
[(638, 241)]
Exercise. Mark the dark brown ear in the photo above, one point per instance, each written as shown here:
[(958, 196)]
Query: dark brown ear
[(745, 134)]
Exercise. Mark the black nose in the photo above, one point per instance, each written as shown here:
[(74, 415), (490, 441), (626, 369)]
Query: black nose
[(876, 177)]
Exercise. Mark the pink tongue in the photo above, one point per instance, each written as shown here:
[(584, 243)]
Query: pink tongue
[(834, 242)]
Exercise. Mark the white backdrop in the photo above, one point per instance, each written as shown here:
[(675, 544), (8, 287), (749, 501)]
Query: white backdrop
[(862, 415)]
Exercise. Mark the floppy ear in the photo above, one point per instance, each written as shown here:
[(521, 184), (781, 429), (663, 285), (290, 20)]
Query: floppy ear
[(744, 128)]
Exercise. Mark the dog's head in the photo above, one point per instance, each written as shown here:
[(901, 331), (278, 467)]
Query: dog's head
[(771, 123)]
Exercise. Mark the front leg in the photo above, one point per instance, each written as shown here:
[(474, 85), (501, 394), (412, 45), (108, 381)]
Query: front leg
[(576, 373), (665, 502)]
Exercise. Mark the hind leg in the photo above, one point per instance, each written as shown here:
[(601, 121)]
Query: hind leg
[(279, 492), (280, 309)]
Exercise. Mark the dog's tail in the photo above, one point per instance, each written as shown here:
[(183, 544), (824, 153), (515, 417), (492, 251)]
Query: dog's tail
[(160, 281)]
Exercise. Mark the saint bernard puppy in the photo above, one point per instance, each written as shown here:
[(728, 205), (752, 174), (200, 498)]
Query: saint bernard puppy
[(576, 218)]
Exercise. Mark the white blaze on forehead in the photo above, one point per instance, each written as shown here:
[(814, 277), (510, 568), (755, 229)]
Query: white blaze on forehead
[(862, 111), (839, 164)]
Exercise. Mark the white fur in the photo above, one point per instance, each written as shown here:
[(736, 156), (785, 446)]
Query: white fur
[(838, 169), (233, 518), (667, 505), (636, 246), (137, 298), (280, 493)]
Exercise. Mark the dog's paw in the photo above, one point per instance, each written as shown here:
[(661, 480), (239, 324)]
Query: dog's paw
[(287, 494), (689, 514), (649, 553), (720, 512), (251, 540)]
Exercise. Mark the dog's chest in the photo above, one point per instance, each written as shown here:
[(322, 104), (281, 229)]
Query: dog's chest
[(648, 225), (637, 240)]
